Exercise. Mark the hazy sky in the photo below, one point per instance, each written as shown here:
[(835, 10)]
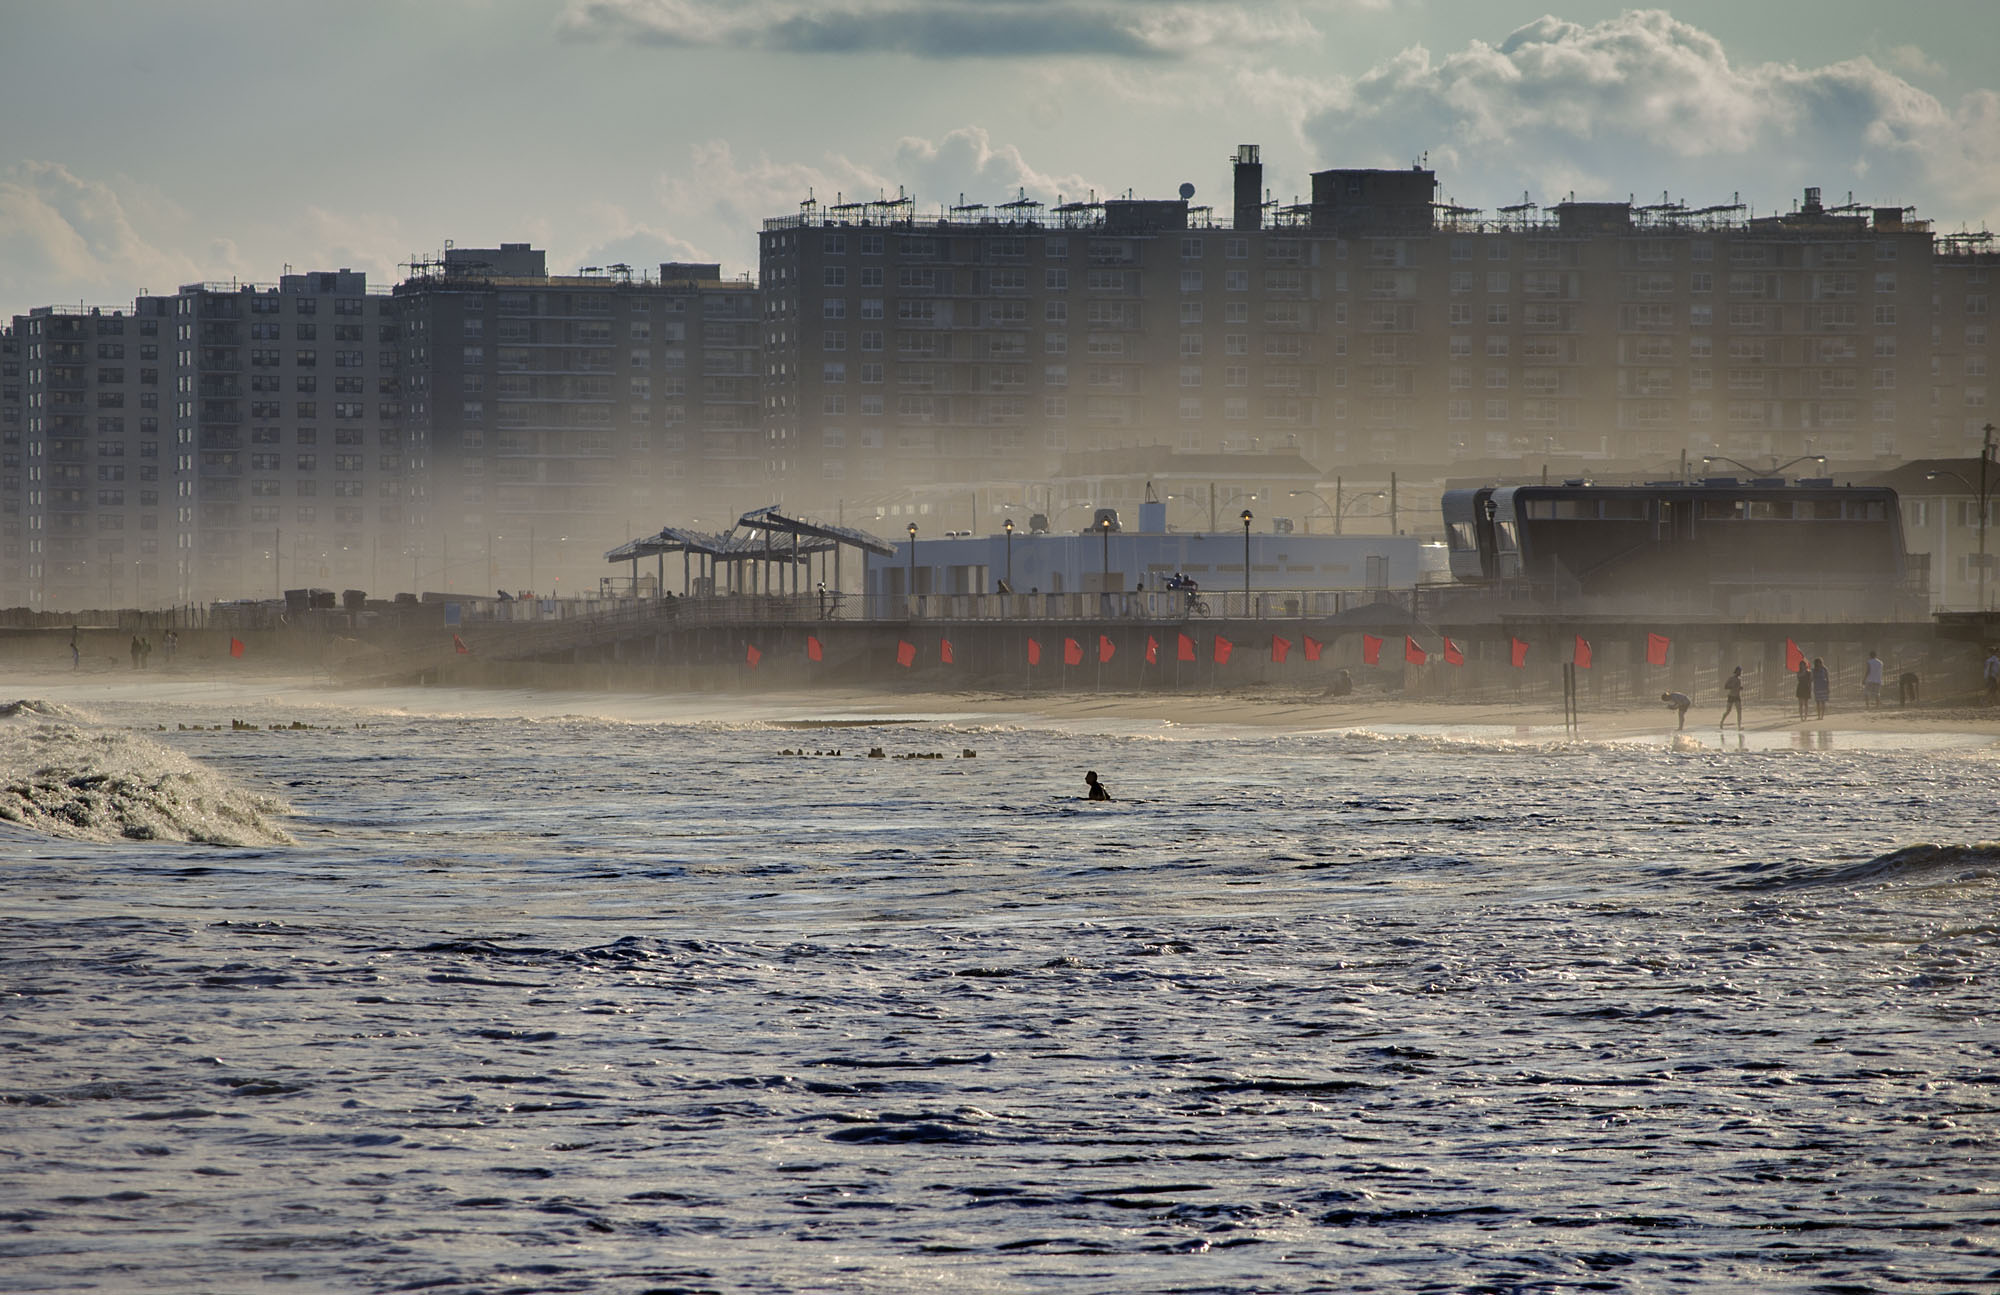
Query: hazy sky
[(155, 142)]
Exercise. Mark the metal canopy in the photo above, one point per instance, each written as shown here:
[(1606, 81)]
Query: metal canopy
[(671, 539), (773, 518), (758, 546)]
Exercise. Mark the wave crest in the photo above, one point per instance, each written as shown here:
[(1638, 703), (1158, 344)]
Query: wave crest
[(1923, 863), (62, 776)]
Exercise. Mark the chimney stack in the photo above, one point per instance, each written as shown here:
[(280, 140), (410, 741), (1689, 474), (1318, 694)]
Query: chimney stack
[(1249, 187)]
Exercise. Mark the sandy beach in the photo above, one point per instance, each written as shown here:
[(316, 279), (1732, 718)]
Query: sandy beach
[(1270, 709)]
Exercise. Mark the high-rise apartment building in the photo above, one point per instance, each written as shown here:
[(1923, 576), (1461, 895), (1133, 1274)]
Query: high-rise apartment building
[(13, 526), (290, 461), (227, 441), (87, 489), (484, 423), (1370, 326), (567, 413)]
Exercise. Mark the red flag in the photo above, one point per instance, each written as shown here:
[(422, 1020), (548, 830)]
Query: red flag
[(1371, 650), (1656, 649), (812, 648), (906, 653), (1223, 647), (1412, 653), (752, 655), (1793, 657), (1034, 652), (1152, 650), (944, 651), (1072, 652), (1280, 648), (1313, 646), (1104, 648), (1582, 653), (1186, 648), (458, 644), (1453, 655), (236, 647), (1520, 653)]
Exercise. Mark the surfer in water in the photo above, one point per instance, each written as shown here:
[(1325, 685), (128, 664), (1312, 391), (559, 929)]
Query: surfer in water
[(1097, 791)]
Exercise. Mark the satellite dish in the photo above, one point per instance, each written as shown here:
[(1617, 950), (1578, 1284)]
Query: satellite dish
[(1187, 191)]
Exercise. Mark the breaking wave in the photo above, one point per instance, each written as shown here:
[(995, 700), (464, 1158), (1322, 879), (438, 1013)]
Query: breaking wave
[(64, 776), (1926, 863)]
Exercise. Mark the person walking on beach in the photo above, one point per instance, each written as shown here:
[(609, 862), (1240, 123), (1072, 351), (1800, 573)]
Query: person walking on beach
[(1871, 682), (1732, 698), (1992, 675), (135, 651), (1097, 791), (1804, 689), (1822, 685), (1679, 703)]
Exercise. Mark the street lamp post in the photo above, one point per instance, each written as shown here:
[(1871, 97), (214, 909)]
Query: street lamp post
[(1008, 526), (1246, 562), (913, 560), (1776, 467), (1104, 530), (1322, 503), (1985, 455)]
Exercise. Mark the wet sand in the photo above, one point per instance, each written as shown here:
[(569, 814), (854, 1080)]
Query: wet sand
[(1274, 710)]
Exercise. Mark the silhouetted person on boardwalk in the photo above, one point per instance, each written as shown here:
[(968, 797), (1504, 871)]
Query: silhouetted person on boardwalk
[(1732, 698), (1097, 791)]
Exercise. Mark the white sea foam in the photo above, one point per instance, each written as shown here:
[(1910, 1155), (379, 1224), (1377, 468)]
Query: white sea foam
[(63, 775)]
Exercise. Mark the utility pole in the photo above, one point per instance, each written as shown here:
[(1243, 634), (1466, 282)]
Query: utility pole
[(1985, 454), (1246, 564)]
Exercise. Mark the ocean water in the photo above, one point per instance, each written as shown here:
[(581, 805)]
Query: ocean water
[(463, 993)]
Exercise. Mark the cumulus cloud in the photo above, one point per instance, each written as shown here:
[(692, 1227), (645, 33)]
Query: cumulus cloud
[(721, 200), (365, 241), (1643, 103), (1131, 29), (966, 161), (61, 233), (612, 235)]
